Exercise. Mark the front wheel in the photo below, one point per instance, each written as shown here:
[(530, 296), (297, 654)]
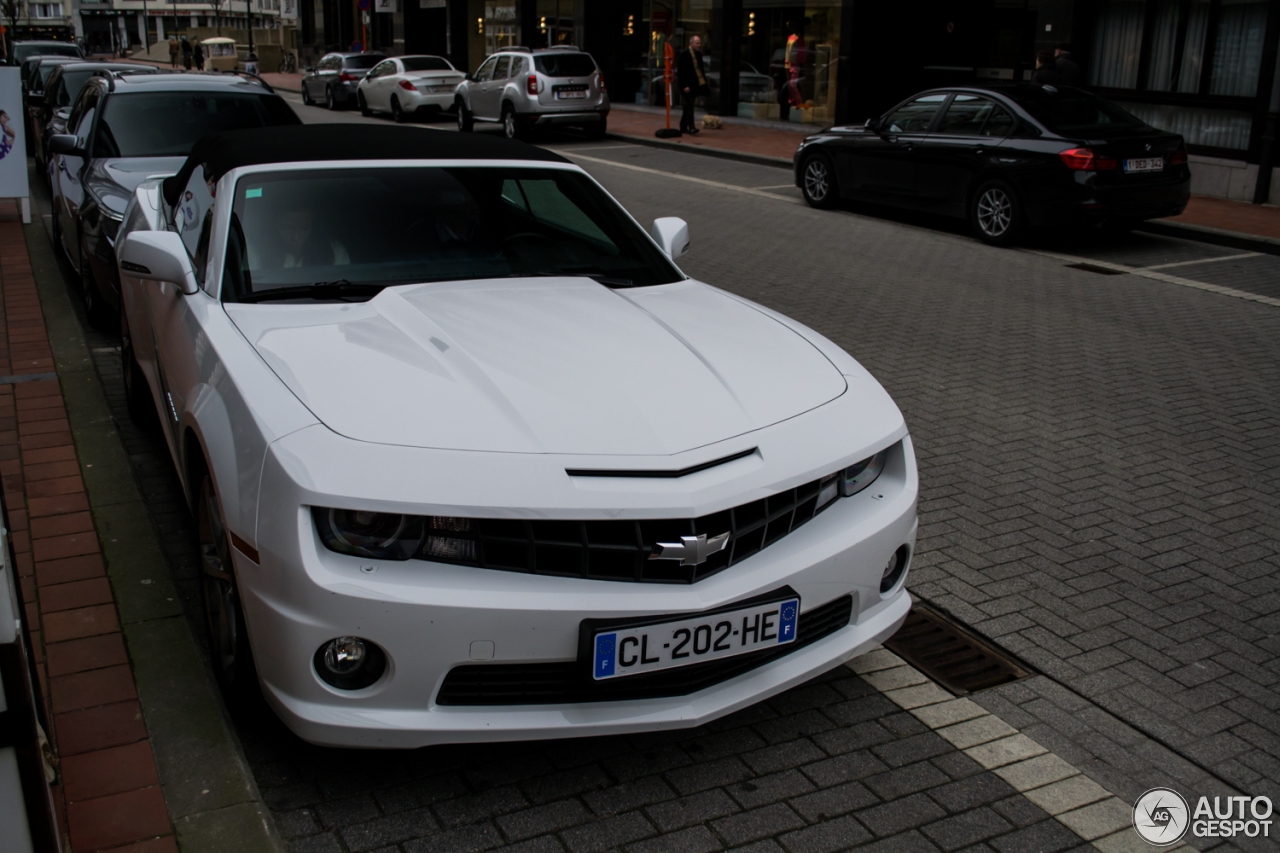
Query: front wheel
[(818, 182), (224, 617), (364, 105), (465, 122), (94, 309), (306, 95), (996, 213)]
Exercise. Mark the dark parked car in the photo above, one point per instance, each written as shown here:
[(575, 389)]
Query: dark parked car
[(21, 51), (123, 129), (35, 72), (1005, 157), (333, 80), (48, 112)]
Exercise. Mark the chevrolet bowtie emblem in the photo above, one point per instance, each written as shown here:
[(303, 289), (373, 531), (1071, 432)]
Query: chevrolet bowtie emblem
[(690, 550)]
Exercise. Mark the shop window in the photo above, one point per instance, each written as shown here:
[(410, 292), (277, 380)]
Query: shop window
[(791, 59)]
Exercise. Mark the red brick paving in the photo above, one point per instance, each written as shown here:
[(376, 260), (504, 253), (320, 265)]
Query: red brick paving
[(108, 796), (1260, 219)]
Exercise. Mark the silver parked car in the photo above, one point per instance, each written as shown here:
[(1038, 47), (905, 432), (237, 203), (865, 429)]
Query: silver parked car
[(333, 80), (522, 89)]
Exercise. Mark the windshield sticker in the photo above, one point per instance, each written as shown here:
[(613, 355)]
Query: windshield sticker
[(254, 193)]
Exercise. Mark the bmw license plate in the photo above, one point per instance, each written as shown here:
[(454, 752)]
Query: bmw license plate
[(571, 94), (1144, 164), (645, 648)]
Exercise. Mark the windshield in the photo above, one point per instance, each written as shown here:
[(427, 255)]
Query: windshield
[(365, 61), (1072, 112), (425, 63), (565, 64), (385, 226), (22, 51), (167, 124), (46, 68)]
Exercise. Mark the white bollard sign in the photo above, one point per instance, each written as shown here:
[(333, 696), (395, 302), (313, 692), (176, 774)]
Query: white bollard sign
[(13, 141)]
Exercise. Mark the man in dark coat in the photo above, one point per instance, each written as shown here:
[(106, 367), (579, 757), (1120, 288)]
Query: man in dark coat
[(1067, 66), (1047, 73), (186, 53), (692, 82)]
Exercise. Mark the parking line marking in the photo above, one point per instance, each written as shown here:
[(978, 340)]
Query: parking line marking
[(703, 181), (1204, 261), (1156, 275), (777, 187)]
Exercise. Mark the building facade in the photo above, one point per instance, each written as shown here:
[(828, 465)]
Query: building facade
[(110, 26), (1204, 68)]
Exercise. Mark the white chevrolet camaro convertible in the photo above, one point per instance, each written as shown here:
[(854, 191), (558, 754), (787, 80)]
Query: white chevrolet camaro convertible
[(472, 460)]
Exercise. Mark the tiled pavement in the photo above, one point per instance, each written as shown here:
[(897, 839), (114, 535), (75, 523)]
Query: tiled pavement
[(109, 794)]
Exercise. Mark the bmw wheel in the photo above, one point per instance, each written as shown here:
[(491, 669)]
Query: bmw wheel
[(364, 105), (818, 182), (94, 310), (996, 213), (465, 122), (224, 617), (397, 112), (306, 95)]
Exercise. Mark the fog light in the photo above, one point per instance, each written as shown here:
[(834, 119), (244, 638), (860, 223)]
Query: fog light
[(350, 663), (894, 570)]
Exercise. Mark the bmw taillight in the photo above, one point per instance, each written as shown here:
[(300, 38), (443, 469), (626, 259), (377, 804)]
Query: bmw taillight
[(1179, 157), (531, 84), (348, 78), (1084, 160), (407, 86)]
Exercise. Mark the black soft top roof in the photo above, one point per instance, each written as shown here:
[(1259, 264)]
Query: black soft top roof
[(222, 152)]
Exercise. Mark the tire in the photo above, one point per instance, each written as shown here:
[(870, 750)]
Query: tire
[(229, 649), (597, 130), (91, 295), (466, 123), (398, 115), (330, 100), (137, 395), (306, 96), (995, 213), (364, 105), (511, 128), (818, 182)]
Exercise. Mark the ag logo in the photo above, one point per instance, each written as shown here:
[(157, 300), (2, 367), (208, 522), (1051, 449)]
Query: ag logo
[(1161, 817)]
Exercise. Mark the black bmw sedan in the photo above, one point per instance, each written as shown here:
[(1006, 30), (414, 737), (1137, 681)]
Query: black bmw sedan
[(1005, 157)]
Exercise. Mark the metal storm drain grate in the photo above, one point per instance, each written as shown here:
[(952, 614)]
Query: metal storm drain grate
[(1095, 269), (950, 655)]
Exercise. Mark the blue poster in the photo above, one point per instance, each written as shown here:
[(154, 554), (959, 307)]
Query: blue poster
[(13, 147)]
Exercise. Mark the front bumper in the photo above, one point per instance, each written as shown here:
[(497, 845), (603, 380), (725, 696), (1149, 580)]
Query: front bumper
[(427, 616)]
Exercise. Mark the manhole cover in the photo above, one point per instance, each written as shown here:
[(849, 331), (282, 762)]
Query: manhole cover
[(950, 655)]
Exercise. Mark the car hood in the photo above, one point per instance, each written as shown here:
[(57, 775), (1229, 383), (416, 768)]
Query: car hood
[(543, 365), (113, 179)]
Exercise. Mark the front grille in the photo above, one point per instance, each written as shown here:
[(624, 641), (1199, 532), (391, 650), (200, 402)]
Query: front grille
[(571, 683), (619, 550)]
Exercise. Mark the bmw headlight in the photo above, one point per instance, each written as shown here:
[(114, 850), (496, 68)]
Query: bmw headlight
[(859, 475), (364, 533)]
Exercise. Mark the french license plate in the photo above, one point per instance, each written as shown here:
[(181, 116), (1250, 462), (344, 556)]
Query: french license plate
[(680, 642), (1144, 164), (438, 89), (571, 94)]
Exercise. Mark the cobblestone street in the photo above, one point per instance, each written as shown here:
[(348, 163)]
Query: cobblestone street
[(1099, 457)]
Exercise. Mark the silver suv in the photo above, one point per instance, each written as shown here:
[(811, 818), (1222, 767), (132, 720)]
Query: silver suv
[(523, 88)]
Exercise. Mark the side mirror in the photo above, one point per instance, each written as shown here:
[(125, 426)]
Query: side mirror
[(63, 113), (310, 69), (157, 256), (65, 143), (672, 234), (470, 78), (872, 124)]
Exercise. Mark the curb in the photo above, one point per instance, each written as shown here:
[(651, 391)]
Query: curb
[(1077, 802), (1215, 236), (210, 794), (741, 157)]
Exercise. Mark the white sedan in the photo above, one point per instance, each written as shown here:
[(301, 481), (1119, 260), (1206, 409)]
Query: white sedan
[(474, 460), (407, 85)]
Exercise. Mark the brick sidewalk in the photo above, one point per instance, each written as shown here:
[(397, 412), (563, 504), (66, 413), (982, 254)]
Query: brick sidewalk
[(1262, 220), (743, 139), (108, 795)]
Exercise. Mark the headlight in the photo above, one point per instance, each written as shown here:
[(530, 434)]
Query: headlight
[(362, 533), (858, 476)]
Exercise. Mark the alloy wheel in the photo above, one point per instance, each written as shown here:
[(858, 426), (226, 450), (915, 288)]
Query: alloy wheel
[(222, 611), (329, 100), (817, 180), (995, 212)]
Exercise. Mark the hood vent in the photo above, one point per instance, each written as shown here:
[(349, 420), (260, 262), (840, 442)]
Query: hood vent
[(657, 473)]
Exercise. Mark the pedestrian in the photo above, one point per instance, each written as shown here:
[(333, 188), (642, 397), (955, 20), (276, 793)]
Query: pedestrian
[(1047, 73), (186, 53), (173, 52), (1067, 66), (692, 82), (197, 53)]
